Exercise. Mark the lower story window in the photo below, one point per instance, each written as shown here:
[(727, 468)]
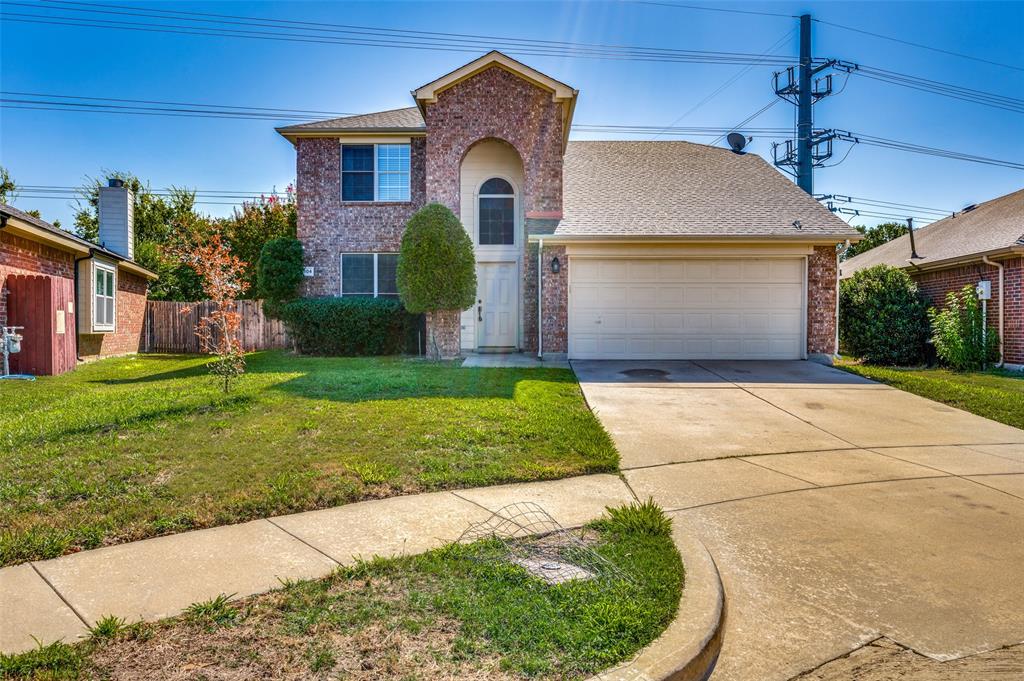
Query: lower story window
[(103, 298), (371, 275)]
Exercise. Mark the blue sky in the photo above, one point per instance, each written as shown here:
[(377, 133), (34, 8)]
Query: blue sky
[(59, 148)]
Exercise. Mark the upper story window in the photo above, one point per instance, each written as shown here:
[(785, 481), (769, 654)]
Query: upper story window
[(497, 213), (103, 308), (375, 172)]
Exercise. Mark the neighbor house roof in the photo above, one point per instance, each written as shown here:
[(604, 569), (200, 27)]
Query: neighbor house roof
[(55, 235), (986, 229), (672, 189)]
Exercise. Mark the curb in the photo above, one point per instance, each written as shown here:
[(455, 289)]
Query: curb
[(688, 649)]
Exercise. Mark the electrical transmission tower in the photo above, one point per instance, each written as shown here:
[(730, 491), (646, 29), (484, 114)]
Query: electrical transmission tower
[(802, 88)]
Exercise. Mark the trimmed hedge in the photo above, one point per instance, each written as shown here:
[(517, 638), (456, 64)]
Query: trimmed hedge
[(279, 273), (436, 265), (882, 317), (351, 326)]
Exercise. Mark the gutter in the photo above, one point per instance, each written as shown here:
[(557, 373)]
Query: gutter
[(1000, 266), (561, 239)]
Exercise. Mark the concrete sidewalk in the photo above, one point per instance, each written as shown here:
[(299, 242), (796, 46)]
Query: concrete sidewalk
[(157, 578)]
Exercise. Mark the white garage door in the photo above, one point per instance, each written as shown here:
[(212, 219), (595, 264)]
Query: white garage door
[(735, 308)]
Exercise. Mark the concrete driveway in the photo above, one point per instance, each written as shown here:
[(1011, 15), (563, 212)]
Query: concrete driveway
[(840, 512)]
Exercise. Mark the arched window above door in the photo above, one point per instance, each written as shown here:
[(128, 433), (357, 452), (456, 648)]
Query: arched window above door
[(497, 213)]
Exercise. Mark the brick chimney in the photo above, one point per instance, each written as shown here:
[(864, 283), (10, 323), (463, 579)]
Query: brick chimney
[(116, 217)]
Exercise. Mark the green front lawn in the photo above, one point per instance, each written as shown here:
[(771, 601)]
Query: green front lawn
[(995, 394), (129, 448), (463, 611)]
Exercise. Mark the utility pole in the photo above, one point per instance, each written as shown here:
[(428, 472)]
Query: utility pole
[(803, 89), (805, 120)]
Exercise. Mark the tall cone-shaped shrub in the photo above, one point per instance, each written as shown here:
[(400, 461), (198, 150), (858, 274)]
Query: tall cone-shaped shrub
[(436, 269)]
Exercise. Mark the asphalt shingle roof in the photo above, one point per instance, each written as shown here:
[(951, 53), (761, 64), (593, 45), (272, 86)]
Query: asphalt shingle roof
[(408, 119), (626, 188), (990, 226)]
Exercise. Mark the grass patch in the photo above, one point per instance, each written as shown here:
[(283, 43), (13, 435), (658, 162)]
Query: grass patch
[(128, 448), (995, 394), (449, 613)]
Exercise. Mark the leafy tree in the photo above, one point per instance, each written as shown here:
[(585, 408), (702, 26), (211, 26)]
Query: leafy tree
[(279, 273), (8, 189), (257, 222), (961, 335), (882, 316), (436, 266), (876, 236), (202, 246)]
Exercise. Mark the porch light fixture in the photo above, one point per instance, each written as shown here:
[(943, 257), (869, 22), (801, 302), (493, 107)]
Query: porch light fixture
[(556, 266)]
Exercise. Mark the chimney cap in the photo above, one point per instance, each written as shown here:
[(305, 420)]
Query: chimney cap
[(115, 182)]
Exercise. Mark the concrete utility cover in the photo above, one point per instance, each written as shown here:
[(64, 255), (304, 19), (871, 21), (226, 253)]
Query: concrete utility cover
[(839, 511)]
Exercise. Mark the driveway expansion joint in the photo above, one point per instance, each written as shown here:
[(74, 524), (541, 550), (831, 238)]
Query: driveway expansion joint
[(299, 539), (59, 595)]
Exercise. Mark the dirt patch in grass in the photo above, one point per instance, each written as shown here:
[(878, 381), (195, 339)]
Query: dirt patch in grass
[(460, 612)]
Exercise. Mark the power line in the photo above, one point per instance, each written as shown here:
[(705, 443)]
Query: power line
[(715, 9), (845, 198), (312, 32), (966, 94), (919, 45), (882, 216), (151, 101), (739, 126), (918, 148)]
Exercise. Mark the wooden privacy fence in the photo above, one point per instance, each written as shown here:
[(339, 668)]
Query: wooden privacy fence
[(169, 329)]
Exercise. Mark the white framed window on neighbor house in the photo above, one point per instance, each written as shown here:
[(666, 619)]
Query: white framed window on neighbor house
[(375, 172), (370, 275), (104, 304)]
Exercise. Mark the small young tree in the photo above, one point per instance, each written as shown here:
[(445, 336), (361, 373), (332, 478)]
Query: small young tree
[(436, 266), (961, 335), (221, 273), (882, 317), (279, 273)]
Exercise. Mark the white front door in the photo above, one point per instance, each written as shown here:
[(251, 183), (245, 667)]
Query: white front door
[(680, 308), (497, 305)]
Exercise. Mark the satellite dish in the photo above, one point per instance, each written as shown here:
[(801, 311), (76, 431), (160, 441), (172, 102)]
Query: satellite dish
[(736, 141)]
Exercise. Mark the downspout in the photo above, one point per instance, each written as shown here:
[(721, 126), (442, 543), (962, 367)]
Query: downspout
[(74, 278), (540, 299), (999, 266), (840, 252)]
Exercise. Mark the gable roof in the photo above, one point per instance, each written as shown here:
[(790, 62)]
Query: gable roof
[(676, 189), (70, 241), (428, 93), (989, 227), (407, 120)]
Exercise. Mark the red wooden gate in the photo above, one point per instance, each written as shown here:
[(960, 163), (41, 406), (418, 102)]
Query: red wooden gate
[(45, 307)]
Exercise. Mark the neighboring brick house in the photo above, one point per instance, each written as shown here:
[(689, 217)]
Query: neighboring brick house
[(984, 242), (75, 299), (644, 249)]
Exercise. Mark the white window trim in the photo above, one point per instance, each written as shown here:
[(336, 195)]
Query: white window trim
[(515, 211), (376, 187), (376, 279), (112, 326)]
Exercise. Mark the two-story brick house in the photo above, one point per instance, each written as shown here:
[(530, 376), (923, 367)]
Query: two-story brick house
[(586, 249)]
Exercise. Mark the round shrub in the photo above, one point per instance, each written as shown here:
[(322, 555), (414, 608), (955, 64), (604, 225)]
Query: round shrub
[(350, 326), (279, 273), (436, 266), (882, 317)]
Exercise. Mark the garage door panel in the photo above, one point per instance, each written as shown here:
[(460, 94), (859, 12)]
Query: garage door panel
[(686, 308)]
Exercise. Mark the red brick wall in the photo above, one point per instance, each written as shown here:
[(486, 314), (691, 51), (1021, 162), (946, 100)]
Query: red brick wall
[(328, 227), (555, 293), (935, 284), (821, 301), (19, 255), (131, 313), (496, 104)]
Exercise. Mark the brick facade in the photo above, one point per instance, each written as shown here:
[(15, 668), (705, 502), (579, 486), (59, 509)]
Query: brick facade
[(935, 284), (555, 301), (821, 301), (328, 227), (19, 255), (131, 315), (496, 104)]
